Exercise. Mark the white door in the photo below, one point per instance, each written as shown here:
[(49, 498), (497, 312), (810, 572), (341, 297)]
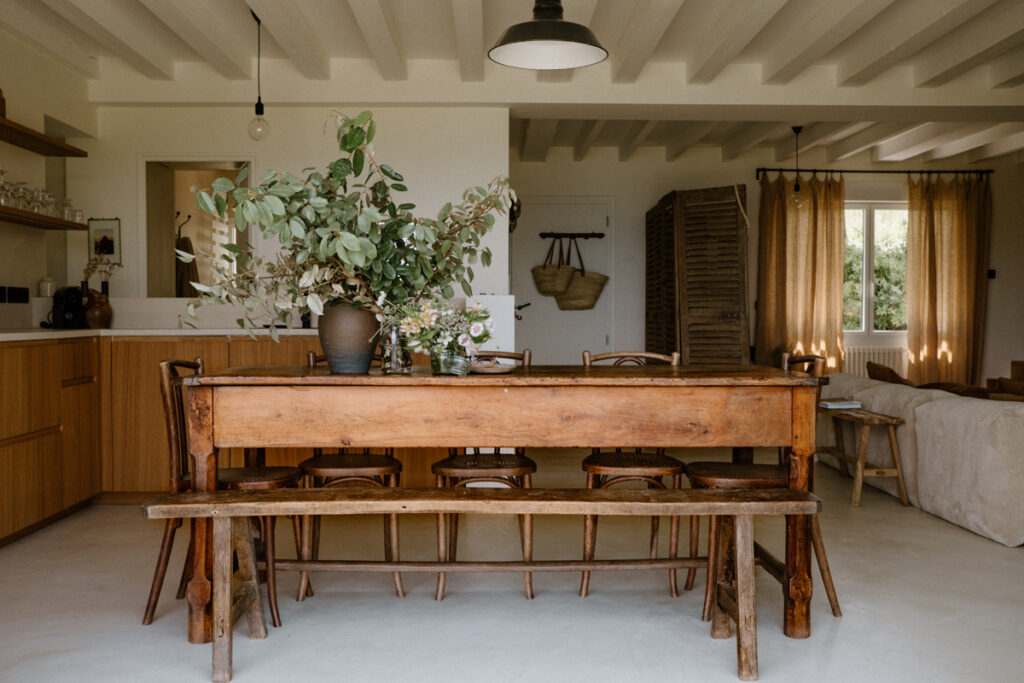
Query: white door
[(559, 337)]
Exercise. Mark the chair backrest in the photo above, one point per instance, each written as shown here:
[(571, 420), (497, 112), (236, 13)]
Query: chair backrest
[(630, 358), (815, 364), (171, 372)]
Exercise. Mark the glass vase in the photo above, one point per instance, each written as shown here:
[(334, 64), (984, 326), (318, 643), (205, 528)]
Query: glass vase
[(395, 358), (454, 364)]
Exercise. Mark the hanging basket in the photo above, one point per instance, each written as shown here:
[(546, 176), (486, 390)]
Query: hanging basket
[(585, 287), (550, 278)]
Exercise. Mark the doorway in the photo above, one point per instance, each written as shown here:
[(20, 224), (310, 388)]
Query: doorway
[(559, 337)]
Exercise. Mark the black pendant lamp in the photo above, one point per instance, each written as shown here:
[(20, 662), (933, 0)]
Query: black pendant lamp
[(259, 127), (547, 42), (796, 142)]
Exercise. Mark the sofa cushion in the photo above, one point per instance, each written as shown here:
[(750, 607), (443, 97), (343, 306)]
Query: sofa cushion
[(970, 465)]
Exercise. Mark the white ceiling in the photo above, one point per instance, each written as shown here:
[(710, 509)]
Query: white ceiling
[(898, 80)]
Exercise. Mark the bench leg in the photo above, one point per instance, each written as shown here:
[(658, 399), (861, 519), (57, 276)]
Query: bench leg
[(589, 538), (837, 427), (442, 545), (723, 558), (222, 599), (691, 573), (249, 586), (862, 453), (746, 615), (895, 448), (526, 538)]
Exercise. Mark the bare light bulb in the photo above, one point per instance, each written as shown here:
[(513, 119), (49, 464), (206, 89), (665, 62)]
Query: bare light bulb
[(259, 127)]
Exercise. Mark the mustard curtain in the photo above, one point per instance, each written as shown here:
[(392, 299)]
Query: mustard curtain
[(800, 269), (948, 233)]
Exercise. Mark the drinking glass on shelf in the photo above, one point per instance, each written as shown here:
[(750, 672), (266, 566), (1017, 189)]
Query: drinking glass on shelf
[(67, 211), (35, 204), (79, 216), (49, 204), (19, 196), (5, 190)]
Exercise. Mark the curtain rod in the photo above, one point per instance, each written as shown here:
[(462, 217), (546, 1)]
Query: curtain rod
[(757, 175)]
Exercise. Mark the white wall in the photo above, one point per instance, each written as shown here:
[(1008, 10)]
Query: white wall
[(638, 183), (440, 152)]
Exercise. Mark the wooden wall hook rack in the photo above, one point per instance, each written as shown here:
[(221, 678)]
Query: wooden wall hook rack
[(571, 235)]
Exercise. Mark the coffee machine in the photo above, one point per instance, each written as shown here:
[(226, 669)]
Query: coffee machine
[(68, 312)]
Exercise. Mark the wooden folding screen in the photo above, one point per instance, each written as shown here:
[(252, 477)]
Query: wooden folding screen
[(696, 286)]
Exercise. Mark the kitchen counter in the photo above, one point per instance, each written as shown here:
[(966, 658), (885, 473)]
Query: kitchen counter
[(37, 334)]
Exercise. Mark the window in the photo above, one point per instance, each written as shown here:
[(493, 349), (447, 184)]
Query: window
[(876, 245)]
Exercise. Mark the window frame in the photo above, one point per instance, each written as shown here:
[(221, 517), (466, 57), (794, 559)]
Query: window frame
[(867, 335)]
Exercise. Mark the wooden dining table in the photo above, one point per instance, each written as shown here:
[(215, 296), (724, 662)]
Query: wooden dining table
[(541, 407)]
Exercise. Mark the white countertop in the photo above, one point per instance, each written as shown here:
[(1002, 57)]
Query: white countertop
[(30, 334)]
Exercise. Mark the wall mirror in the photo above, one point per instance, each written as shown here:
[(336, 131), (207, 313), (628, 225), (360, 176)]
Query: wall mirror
[(174, 221)]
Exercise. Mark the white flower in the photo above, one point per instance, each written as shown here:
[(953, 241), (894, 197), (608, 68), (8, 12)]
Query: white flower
[(489, 323), (476, 329)]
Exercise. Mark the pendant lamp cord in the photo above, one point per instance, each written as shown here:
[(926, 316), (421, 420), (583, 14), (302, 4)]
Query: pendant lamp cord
[(796, 142), (259, 52)]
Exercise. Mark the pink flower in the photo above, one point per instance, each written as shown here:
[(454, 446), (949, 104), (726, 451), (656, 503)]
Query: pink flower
[(476, 329)]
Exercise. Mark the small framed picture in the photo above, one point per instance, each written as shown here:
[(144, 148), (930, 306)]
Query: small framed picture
[(105, 238)]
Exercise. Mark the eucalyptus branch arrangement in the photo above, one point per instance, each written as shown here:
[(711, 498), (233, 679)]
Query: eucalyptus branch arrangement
[(343, 237)]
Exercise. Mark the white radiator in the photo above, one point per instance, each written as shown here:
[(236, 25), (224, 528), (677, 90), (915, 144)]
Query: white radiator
[(857, 358)]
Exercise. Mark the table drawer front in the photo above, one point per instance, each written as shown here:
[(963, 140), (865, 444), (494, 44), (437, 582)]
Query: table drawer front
[(579, 416)]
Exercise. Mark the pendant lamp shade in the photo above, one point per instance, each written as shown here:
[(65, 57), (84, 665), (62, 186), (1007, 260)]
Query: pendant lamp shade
[(547, 42)]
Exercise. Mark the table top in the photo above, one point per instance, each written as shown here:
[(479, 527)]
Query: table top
[(537, 375)]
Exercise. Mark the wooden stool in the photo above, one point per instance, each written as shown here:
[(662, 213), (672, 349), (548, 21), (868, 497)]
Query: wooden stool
[(865, 418)]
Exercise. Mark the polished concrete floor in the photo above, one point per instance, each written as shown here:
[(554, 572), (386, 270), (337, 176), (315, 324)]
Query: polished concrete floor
[(923, 600)]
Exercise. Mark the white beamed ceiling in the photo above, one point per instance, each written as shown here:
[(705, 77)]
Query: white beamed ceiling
[(899, 80)]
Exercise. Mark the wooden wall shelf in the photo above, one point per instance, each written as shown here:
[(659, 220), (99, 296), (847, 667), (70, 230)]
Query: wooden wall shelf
[(36, 220), (34, 141)]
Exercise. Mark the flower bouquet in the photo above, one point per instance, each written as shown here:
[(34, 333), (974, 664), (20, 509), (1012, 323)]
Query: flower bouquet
[(450, 335)]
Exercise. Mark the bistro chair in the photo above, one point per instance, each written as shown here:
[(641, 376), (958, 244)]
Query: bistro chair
[(252, 478), (729, 475), (468, 466), (606, 468), (348, 467)]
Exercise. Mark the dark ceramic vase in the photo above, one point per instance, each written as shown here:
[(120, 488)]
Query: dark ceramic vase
[(98, 313), (347, 336)]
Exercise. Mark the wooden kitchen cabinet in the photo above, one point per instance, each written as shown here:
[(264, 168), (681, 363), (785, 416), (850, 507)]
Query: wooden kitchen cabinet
[(80, 420), (138, 455)]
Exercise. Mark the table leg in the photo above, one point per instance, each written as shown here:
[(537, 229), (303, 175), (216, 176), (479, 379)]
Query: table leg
[(204, 478), (222, 626), (746, 615), (796, 589)]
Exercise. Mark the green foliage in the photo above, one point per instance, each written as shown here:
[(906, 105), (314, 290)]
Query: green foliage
[(342, 236)]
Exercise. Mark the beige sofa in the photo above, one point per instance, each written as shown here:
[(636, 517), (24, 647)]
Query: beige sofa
[(962, 458)]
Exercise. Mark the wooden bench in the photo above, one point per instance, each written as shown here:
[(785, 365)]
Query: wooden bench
[(231, 532), (865, 418)]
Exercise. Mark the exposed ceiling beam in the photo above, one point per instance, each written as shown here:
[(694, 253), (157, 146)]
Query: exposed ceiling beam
[(869, 137), (830, 23), (1007, 71), (19, 19), (973, 44), (686, 136), (909, 28), (635, 136), (1006, 145), (537, 138), (193, 22), (749, 136), (469, 38), (121, 31), (973, 140), (378, 30), (817, 134), (917, 141), (586, 138), (643, 33), (739, 23), (293, 33)]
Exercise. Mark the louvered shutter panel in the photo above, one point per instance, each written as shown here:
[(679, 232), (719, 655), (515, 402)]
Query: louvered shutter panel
[(700, 293)]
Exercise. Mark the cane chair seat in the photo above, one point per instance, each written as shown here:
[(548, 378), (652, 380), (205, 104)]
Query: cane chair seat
[(257, 478), (479, 464), (624, 462), (731, 475)]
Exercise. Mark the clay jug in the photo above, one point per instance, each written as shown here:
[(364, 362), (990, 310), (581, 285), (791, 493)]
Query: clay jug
[(98, 312)]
